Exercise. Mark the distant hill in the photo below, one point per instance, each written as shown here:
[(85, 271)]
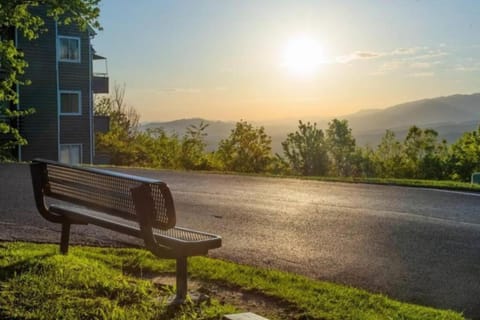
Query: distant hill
[(451, 116)]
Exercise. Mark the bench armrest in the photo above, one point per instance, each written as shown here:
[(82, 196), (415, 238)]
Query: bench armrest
[(145, 209), (39, 177)]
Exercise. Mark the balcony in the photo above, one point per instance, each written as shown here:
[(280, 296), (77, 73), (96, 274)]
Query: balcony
[(101, 124), (100, 83)]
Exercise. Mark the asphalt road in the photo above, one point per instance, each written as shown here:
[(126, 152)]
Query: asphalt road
[(415, 245)]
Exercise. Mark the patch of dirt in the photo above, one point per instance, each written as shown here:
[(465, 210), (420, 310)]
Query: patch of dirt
[(245, 300)]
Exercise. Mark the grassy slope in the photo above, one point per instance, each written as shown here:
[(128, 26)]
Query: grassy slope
[(437, 184), (104, 283)]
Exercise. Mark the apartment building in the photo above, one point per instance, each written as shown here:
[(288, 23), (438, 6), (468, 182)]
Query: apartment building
[(62, 89)]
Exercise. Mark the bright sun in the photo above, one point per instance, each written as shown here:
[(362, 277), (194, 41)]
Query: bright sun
[(302, 56)]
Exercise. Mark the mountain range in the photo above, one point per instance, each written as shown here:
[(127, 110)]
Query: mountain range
[(450, 116)]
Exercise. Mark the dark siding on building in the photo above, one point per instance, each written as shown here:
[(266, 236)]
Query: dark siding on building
[(75, 129), (40, 129)]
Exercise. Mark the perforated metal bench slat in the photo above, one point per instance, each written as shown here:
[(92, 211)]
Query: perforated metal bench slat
[(87, 178), (176, 237), (92, 186), (100, 198), (106, 190), (184, 234)]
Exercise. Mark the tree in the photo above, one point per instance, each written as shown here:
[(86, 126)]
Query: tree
[(434, 157), (155, 148), (247, 149), (10, 136), (388, 156), (362, 162), (341, 146), (192, 155), (464, 157), (424, 154), (22, 16), (305, 150), (413, 146), (119, 141)]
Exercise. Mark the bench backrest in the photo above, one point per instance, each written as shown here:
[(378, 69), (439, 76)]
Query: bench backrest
[(102, 190)]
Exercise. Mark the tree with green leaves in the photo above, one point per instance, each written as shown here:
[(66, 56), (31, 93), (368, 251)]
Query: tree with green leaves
[(424, 154), (10, 136), (434, 156), (363, 162), (305, 150), (341, 146), (156, 149), (388, 156), (464, 157), (193, 155), (247, 149), (22, 16), (119, 141), (413, 148)]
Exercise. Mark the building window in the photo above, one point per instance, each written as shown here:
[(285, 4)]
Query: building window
[(70, 102), (69, 49), (71, 153)]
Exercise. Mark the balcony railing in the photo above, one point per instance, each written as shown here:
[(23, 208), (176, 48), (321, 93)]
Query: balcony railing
[(101, 124), (100, 83), (100, 79)]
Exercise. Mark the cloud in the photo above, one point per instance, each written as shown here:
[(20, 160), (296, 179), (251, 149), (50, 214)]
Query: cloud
[(367, 55), (468, 68), (418, 53), (389, 66), (358, 55), (363, 55), (419, 61), (422, 74), (179, 90), (421, 65), (405, 51), (424, 64), (392, 65), (430, 55)]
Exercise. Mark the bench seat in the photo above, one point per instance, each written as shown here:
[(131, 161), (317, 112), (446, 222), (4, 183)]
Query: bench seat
[(179, 240)]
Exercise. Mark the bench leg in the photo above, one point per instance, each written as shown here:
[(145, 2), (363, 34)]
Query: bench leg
[(65, 238), (181, 279)]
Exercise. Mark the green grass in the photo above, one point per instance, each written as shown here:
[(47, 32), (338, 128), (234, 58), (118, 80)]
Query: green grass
[(437, 184), (104, 283)]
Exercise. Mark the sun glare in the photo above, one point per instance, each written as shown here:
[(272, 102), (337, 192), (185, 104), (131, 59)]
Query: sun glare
[(302, 56)]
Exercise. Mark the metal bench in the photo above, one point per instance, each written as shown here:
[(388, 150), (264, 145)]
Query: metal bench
[(137, 206)]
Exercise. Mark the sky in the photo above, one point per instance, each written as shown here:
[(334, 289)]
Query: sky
[(271, 59)]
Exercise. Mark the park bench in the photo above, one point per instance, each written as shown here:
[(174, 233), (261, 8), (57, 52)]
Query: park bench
[(132, 205)]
